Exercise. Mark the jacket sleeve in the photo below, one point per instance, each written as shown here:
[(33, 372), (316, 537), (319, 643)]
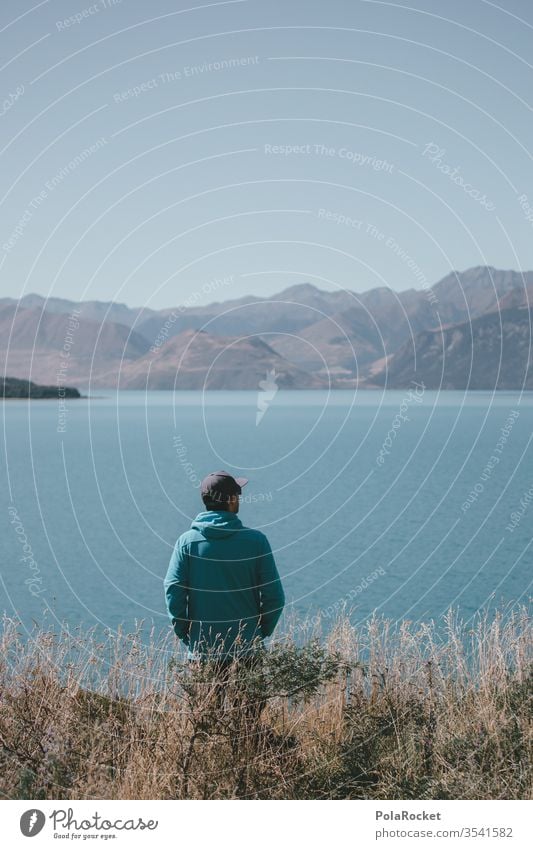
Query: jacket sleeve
[(176, 585), (270, 590)]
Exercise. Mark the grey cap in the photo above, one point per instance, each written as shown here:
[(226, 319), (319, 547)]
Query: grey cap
[(219, 486)]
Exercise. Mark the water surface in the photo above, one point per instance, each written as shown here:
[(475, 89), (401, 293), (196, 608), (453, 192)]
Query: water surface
[(383, 501)]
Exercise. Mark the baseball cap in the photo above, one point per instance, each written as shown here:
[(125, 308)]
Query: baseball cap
[(220, 485)]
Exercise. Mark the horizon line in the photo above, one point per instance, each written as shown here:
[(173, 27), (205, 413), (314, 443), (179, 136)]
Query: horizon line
[(47, 298)]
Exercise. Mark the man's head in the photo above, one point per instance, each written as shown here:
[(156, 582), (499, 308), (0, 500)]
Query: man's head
[(220, 491)]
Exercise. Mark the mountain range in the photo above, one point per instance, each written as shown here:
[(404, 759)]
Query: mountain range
[(471, 329)]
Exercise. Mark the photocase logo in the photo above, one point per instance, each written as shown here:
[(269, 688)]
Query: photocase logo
[(32, 822), (267, 392)]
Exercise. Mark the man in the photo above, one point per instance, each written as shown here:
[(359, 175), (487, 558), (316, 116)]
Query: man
[(223, 590)]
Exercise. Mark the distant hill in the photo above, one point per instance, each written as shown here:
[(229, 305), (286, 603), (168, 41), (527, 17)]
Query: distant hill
[(98, 311), (11, 387), (392, 314), (458, 296), (290, 310), (493, 351), (41, 344), (311, 337), (197, 360), (469, 294), (32, 328), (339, 345)]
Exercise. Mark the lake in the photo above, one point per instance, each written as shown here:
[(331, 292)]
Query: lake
[(403, 502)]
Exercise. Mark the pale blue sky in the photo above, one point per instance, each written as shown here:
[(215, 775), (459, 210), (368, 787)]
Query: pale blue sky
[(188, 180)]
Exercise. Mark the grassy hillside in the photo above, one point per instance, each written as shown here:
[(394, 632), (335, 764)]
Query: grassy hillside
[(374, 713)]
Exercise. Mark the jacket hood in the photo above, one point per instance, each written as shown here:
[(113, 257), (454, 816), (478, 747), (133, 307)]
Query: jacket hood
[(217, 524)]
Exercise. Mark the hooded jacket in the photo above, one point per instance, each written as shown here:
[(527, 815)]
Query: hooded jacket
[(223, 590)]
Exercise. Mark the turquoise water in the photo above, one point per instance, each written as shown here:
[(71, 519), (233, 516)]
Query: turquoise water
[(96, 507)]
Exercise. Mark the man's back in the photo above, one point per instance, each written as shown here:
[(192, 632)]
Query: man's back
[(222, 583)]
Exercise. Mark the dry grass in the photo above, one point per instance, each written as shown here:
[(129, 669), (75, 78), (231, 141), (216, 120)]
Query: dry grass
[(376, 713)]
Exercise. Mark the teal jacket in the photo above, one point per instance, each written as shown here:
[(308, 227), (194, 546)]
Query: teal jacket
[(222, 587)]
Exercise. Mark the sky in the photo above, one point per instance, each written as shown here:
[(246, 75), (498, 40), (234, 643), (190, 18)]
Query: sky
[(170, 152)]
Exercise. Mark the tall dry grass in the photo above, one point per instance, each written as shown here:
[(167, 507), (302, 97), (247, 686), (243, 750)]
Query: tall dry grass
[(375, 712)]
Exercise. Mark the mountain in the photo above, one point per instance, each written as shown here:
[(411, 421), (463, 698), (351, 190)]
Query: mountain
[(289, 311), (43, 344), (340, 345), (469, 294), (31, 328), (398, 315), (197, 360), (308, 335), (493, 351), (304, 310), (90, 310), (302, 324)]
